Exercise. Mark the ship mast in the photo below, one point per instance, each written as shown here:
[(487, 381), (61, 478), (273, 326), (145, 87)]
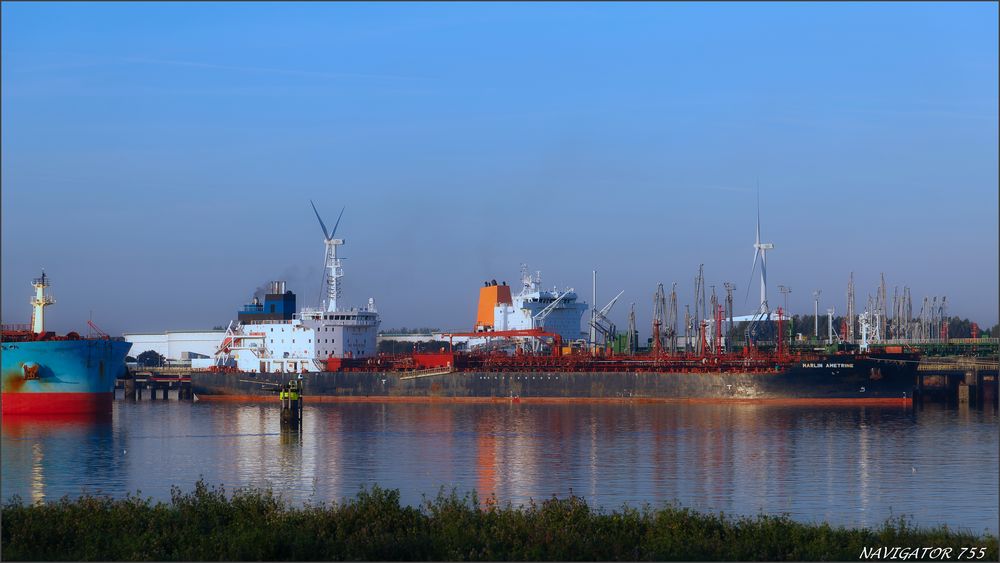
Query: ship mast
[(332, 265), (39, 302), (334, 273)]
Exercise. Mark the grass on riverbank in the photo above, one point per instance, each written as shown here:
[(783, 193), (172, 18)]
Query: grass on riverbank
[(208, 524)]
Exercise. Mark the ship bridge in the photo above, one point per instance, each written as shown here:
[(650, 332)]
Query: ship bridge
[(533, 308)]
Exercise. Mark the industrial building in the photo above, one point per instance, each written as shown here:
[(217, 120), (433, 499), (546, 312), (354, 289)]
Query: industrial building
[(177, 345)]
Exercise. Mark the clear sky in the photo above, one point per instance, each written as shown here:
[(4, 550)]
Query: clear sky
[(158, 158)]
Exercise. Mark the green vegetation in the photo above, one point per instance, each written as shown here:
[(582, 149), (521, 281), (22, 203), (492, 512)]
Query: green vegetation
[(150, 358), (206, 524)]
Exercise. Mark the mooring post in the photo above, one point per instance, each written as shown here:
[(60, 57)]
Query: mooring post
[(291, 403), (963, 393), (970, 382), (989, 388)]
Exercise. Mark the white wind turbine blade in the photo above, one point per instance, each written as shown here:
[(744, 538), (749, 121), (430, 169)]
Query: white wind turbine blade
[(334, 231), (758, 212), (321, 224), (325, 273)]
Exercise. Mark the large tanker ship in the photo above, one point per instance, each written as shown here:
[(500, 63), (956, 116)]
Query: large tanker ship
[(876, 377), (517, 352), (43, 373)]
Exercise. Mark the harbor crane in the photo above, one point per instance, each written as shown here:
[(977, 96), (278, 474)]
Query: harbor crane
[(659, 312), (602, 324), (632, 345), (730, 287), (672, 319), (785, 290)]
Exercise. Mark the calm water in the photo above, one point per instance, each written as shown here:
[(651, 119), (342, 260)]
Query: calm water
[(850, 466)]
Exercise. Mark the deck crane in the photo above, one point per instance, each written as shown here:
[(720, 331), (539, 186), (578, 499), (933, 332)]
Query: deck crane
[(602, 324), (97, 330), (540, 316), (538, 321)]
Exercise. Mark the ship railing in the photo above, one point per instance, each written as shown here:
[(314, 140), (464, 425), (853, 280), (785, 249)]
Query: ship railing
[(950, 340), (430, 372), (956, 364), (15, 327)]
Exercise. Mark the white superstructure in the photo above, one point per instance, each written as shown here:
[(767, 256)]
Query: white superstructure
[(349, 333), (534, 307), (268, 347), (274, 338), (39, 302)]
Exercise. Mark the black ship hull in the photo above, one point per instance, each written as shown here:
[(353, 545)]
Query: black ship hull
[(886, 378)]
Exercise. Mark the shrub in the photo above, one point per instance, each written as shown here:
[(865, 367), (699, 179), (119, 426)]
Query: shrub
[(256, 525)]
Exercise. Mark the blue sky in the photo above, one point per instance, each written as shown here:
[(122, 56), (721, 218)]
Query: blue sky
[(158, 159)]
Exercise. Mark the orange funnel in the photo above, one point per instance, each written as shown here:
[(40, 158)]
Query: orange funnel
[(489, 297)]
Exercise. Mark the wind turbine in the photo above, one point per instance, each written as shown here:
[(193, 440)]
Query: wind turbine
[(333, 270), (760, 249)]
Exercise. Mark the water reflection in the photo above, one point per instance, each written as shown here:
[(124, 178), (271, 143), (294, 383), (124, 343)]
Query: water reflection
[(38, 448), (291, 436), (486, 456), (844, 465)]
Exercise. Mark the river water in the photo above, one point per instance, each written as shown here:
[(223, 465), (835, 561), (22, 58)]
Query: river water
[(854, 466)]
